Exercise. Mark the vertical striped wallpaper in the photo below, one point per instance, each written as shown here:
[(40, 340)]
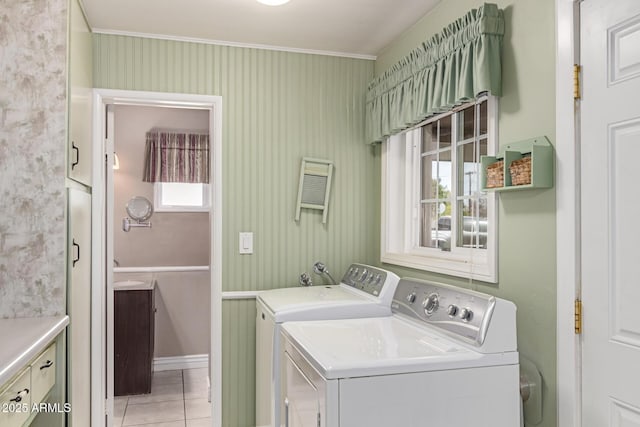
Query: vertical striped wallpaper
[(238, 363), (277, 108)]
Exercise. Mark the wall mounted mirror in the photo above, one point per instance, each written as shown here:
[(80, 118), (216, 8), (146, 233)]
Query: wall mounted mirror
[(140, 210)]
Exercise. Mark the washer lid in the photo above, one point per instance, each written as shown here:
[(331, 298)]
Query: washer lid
[(320, 302), (382, 346)]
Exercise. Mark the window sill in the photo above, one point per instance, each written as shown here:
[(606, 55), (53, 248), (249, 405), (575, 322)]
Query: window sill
[(449, 266)]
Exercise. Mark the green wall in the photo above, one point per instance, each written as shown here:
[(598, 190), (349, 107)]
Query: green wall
[(277, 108), (527, 228)]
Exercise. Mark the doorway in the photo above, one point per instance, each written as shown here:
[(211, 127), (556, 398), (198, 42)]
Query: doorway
[(108, 104)]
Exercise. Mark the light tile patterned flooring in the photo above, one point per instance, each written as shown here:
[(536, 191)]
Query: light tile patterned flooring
[(177, 399)]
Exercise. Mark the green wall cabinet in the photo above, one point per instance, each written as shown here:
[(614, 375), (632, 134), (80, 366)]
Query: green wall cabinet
[(539, 150)]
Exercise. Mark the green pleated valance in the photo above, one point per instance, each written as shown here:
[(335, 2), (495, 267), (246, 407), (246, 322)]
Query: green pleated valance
[(452, 67)]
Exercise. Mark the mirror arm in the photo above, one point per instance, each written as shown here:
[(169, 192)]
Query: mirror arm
[(127, 224)]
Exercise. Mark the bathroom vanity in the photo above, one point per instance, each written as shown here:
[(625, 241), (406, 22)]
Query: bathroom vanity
[(134, 318), (32, 372)]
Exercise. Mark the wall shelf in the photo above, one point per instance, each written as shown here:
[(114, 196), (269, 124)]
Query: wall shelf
[(541, 152)]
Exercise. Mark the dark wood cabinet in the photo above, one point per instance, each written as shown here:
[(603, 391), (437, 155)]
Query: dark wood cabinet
[(134, 312)]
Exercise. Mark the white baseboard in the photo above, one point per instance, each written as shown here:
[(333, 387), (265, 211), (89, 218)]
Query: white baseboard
[(191, 361)]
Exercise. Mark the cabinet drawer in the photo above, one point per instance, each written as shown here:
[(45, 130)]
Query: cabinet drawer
[(15, 401), (43, 374)]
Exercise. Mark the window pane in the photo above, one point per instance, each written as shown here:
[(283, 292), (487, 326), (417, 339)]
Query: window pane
[(436, 176), (182, 194), (445, 132), (472, 223), (444, 175), (430, 137), (483, 149), (467, 170), (428, 225), (466, 125), (483, 118), (435, 225), (429, 176)]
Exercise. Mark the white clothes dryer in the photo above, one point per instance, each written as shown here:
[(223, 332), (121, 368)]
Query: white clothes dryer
[(364, 291), (446, 357)]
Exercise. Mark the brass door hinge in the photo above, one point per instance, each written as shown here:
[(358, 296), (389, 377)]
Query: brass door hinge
[(576, 81), (577, 314)]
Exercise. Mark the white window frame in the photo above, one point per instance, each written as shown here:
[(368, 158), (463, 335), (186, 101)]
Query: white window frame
[(160, 207), (400, 214)]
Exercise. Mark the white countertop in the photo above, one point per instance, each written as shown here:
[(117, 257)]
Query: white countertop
[(22, 340), (134, 285)]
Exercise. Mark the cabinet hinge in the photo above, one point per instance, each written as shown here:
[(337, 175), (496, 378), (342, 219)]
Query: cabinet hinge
[(577, 314), (576, 81)]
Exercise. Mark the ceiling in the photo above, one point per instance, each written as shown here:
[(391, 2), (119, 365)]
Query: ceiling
[(344, 27)]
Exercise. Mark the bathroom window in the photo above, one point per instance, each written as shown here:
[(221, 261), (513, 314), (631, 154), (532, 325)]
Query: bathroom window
[(434, 216), (181, 197)]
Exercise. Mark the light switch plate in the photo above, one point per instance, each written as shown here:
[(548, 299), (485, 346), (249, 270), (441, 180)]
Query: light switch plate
[(245, 242)]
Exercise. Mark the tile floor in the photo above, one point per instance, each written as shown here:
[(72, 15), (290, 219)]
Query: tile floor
[(177, 399)]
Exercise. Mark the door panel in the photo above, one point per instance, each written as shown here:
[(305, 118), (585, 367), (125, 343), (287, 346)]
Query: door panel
[(300, 398), (623, 415), (624, 50), (610, 226), (624, 152), (79, 307)]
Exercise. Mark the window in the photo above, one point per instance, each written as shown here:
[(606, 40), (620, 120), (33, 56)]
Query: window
[(434, 216), (181, 197)]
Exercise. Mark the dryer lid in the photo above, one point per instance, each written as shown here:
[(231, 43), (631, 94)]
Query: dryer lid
[(382, 346)]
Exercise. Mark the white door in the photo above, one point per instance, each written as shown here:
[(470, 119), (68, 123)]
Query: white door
[(610, 153)]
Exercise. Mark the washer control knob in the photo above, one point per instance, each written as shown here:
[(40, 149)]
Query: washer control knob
[(466, 314), (378, 278), (411, 298), (365, 274), (452, 310), (354, 272), (430, 304)]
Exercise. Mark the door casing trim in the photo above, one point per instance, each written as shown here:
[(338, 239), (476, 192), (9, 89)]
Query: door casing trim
[(102, 97), (568, 344)]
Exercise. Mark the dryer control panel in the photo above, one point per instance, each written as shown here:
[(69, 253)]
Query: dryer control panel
[(456, 311), (365, 278)]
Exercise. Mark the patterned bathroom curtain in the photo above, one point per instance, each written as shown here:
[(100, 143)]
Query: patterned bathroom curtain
[(176, 156), (452, 67)]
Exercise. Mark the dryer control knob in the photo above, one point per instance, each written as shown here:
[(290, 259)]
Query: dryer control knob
[(411, 298), (452, 310), (466, 314), (430, 304)]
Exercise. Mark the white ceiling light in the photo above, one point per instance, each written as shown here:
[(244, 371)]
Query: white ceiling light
[(273, 2)]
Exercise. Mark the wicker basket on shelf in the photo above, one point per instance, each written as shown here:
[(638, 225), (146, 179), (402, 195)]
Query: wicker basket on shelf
[(495, 177), (520, 171)]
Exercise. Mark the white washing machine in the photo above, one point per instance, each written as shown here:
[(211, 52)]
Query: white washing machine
[(364, 291), (446, 357)]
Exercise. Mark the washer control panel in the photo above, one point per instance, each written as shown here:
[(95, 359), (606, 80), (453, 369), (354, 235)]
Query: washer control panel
[(458, 311), (365, 278)]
